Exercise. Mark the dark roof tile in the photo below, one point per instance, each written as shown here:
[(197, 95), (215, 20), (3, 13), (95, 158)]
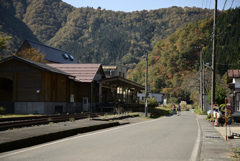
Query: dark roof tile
[(52, 54)]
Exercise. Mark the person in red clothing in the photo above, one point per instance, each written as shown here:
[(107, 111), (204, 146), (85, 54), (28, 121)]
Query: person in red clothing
[(174, 109)]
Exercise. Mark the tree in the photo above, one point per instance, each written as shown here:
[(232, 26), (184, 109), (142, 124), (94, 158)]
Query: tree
[(32, 54), (2, 44), (220, 95)]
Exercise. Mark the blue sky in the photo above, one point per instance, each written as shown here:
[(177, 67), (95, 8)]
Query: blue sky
[(133, 5)]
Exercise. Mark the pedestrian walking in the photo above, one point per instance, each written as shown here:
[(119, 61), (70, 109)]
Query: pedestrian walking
[(178, 109), (174, 109)]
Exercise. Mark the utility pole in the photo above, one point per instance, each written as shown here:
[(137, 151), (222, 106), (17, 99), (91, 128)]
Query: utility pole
[(146, 87), (200, 68), (213, 55), (203, 84), (203, 78)]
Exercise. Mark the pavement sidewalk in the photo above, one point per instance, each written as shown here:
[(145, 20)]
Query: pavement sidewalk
[(214, 146)]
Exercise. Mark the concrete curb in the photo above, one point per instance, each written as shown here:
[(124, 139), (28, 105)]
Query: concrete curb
[(26, 142), (214, 147), (199, 153)]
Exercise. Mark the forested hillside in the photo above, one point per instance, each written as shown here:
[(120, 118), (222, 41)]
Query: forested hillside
[(92, 35), (173, 63)]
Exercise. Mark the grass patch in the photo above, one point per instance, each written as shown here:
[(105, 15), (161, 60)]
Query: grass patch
[(160, 112), (236, 151), (198, 111), (18, 115)]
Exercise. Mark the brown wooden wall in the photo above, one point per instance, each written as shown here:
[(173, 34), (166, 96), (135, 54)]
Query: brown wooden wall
[(80, 90), (26, 80)]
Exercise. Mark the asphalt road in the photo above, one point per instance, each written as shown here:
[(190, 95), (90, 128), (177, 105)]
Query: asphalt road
[(168, 138)]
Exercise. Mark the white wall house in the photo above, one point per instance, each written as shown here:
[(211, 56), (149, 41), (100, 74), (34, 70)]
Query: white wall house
[(233, 81), (158, 96), (115, 70)]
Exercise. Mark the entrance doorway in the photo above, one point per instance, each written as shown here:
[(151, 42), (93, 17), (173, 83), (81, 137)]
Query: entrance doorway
[(6, 95), (6, 89), (85, 104)]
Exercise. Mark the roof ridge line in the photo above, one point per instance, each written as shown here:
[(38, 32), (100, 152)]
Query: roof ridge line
[(48, 46)]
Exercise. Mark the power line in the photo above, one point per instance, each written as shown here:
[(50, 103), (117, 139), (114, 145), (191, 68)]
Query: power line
[(227, 64), (229, 19), (224, 5)]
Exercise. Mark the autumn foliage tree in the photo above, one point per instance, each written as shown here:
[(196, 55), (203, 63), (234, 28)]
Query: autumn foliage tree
[(32, 54), (2, 43)]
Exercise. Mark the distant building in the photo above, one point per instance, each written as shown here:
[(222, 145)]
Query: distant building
[(52, 55), (115, 70), (233, 81), (158, 96)]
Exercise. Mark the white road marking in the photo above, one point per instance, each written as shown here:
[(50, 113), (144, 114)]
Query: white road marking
[(76, 137), (196, 146)]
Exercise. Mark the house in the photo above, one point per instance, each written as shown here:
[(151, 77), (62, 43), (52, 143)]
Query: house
[(115, 70), (31, 87), (233, 80), (52, 55), (158, 96)]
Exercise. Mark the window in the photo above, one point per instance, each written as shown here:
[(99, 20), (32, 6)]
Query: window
[(71, 57), (120, 74), (238, 102), (107, 71), (65, 56), (112, 72), (123, 75)]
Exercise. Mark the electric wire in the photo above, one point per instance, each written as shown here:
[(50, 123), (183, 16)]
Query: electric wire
[(224, 5)]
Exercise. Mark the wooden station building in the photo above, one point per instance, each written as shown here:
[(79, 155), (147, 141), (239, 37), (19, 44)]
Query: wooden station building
[(31, 87)]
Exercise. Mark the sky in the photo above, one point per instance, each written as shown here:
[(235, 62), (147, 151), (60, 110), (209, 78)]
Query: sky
[(133, 5)]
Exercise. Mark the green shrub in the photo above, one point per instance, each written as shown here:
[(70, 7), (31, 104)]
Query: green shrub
[(2, 110), (156, 113), (72, 119), (152, 102), (198, 111), (172, 100), (209, 116), (195, 105), (170, 105)]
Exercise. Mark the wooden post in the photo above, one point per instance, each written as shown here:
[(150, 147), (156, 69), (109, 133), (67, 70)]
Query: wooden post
[(43, 86), (226, 118), (15, 89), (100, 95)]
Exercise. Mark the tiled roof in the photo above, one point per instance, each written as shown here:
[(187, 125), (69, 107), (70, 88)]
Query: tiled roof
[(52, 54), (82, 72), (37, 65), (234, 73)]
